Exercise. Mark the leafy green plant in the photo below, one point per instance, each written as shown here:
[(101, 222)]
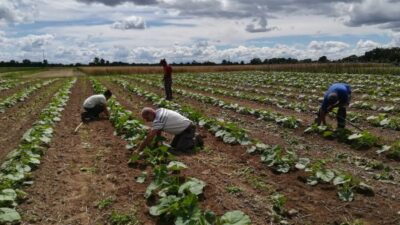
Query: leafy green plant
[(176, 196), (278, 159), (117, 218), (319, 173), (363, 140), (22, 95), (393, 151), (16, 169), (233, 189), (105, 203)]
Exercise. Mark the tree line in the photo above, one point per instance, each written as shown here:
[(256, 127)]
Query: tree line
[(378, 55)]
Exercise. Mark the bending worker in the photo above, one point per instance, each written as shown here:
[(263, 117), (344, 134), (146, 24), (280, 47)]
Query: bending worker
[(172, 122), (94, 105), (338, 95)]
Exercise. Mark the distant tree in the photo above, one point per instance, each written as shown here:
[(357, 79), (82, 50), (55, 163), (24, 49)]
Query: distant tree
[(96, 61), (323, 59), (26, 62), (306, 61), (255, 61), (102, 62), (352, 58), (208, 63)]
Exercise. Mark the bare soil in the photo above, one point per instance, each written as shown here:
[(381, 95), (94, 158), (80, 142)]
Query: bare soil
[(316, 205), (78, 171), (15, 121)]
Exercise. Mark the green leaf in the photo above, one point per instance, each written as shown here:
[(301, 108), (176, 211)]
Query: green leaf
[(235, 218), (8, 215), (7, 198), (229, 139), (149, 191), (346, 194), (326, 175), (194, 186), (45, 139), (176, 166), (354, 136), (164, 205), (141, 178), (134, 158), (220, 133), (341, 179), (302, 163)]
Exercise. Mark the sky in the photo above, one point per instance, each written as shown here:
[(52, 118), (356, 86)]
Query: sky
[(144, 31)]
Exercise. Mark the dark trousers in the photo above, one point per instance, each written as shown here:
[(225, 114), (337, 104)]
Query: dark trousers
[(341, 117), (168, 89), (92, 113), (185, 141)]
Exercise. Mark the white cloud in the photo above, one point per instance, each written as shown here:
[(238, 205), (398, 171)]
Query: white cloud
[(130, 23), (34, 42), (328, 46), (385, 13), (259, 25), (395, 42), (17, 11), (367, 45), (117, 2)]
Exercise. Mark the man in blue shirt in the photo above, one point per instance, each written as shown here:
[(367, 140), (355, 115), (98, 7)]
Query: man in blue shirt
[(338, 95)]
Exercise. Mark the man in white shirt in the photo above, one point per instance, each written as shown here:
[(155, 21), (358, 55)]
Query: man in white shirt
[(94, 105), (172, 122)]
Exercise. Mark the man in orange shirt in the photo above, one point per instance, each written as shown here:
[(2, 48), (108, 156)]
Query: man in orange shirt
[(167, 79)]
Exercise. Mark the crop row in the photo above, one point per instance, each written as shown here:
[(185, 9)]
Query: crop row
[(274, 157), (285, 121), (22, 95), (359, 141), (303, 92), (15, 172), (177, 197), (9, 84), (388, 122), (373, 85)]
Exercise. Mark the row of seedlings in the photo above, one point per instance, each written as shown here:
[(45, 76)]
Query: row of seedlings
[(15, 172), (285, 121), (22, 95), (175, 197), (275, 157)]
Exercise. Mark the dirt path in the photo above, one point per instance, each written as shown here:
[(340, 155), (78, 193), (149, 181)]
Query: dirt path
[(19, 118), (80, 170), (225, 165)]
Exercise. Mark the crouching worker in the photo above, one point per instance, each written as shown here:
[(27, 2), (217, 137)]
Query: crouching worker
[(94, 105), (172, 122), (338, 95)]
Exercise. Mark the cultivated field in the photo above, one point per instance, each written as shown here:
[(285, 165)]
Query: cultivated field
[(263, 160)]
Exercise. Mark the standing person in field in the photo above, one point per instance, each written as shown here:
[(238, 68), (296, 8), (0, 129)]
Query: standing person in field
[(172, 122), (167, 79), (94, 105), (338, 95)]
